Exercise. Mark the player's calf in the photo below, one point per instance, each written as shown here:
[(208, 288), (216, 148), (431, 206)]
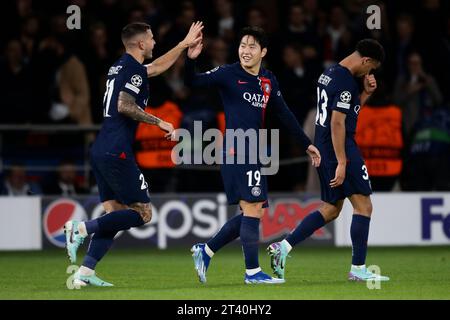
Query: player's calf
[(144, 210), (361, 204)]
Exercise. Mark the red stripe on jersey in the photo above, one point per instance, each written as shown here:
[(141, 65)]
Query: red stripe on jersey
[(266, 88)]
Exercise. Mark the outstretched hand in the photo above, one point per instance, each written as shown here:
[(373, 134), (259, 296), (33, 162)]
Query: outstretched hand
[(195, 50), (194, 35)]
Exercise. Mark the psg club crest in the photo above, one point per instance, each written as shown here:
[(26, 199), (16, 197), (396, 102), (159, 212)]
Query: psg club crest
[(265, 85), (256, 191)]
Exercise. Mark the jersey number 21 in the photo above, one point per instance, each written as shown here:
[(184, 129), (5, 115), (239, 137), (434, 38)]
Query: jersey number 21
[(107, 97)]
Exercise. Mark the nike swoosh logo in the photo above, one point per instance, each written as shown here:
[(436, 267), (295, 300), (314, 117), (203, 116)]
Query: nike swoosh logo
[(242, 82)]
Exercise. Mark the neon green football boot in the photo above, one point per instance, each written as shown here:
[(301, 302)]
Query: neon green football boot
[(73, 239), (278, 254), (92, 280)]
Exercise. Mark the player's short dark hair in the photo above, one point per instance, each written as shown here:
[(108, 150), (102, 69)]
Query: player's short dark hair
[(370, 48), (133, 29), (257, 33)]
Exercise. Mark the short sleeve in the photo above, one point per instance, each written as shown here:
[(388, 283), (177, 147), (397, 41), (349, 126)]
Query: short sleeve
[(343, 97), (132, 81)]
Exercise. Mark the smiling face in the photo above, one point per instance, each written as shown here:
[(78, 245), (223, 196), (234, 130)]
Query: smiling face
[(250, 52)]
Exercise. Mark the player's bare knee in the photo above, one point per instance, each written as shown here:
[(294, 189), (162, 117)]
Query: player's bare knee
[(329, 212), (144, 210), (260, 212), (334, 214), (365, 208), (252, 209)]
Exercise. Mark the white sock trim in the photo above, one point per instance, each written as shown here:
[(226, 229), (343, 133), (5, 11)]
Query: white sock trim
[(82, 229), (361, 267), (208, 251), (252, 272), (85, 271), (287, 245)]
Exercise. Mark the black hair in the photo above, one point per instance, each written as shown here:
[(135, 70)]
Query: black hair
[(257, 33), (133, 29), (12, 165), (371, 48)]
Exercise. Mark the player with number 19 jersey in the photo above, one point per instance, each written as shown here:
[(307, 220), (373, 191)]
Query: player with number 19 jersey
[(337, 90)]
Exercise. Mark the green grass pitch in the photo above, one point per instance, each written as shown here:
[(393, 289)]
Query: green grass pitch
[(311, 273)]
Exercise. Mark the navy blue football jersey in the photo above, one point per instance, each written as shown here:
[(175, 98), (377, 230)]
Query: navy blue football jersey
[(118, 131), (245, 97), (337, 90)]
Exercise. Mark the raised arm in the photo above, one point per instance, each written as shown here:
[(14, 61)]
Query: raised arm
[(164, 62), (128, 107), (192, 78)]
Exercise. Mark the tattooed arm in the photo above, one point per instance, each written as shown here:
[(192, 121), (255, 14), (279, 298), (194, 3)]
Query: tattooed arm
[(128, 107)]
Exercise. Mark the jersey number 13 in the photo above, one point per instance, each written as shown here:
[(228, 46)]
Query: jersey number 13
[(322, 100)]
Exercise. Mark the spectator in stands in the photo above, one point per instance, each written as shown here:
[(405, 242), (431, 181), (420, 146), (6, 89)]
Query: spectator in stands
[(15, 87), (175, 80), (65, 183), (416, 92), (61, 83), (297, 81), (256, 18), (225, 19), (299, 31), (136, 15), (311, 11), (428, 157), (16, 183), (338, 39), (97, 61), (218, 52), (405, 44), (70, 103), (176, 32), (29, 37)]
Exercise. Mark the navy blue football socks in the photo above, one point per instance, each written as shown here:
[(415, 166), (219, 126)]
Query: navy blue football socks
[(229, 231), (359, 232), (115, 221), (311, 223), (100, 243), (249, 238)]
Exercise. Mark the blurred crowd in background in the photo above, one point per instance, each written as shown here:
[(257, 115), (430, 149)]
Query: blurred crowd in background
[(52, 75)]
